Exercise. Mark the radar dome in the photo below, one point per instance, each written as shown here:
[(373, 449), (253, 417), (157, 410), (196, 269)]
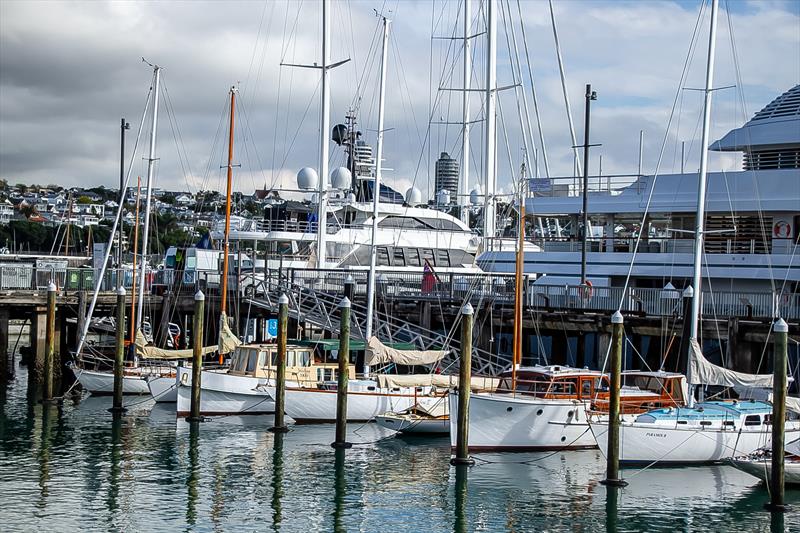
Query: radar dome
[(341, 178), (307, 178), (475, 196), (413, 196)]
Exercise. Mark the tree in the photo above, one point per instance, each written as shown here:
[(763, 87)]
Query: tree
[(84, 200)]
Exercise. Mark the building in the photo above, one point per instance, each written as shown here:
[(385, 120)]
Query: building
[(447, 176)]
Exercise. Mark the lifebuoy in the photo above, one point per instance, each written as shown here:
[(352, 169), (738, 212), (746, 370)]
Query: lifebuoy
[(587, 290)]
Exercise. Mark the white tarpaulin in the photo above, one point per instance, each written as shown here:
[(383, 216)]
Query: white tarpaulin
[(706, 373), (151, 352), (227, 340), (435, 380), (378, 353)]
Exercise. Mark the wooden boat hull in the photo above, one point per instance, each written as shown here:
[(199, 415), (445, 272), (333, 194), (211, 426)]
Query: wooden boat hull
[(223, 394), (519, 423), (645, 443), (315, 406), (164, 389), (414, 425), (102, 383)]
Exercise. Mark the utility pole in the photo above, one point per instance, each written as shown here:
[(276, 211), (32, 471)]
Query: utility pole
[(590, 95)]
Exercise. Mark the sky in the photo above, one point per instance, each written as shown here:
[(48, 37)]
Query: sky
[(70, 70)]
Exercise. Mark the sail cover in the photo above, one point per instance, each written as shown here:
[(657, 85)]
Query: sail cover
[(378, 353), (707, 373), (143, 351), (227, 340), (477, 383)]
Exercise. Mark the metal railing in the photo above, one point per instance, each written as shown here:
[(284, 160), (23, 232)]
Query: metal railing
[(23, 277)]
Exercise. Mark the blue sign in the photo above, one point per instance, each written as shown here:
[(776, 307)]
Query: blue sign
[(272, 327)]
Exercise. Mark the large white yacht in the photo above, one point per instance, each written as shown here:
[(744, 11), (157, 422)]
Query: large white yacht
[(752, 218)]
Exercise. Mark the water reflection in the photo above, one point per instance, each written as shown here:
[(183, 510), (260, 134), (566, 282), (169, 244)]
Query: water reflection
[(612, 496), (339, 490), (48, 411), (460, 495), (115, 466), (277, 479), (194, 473)]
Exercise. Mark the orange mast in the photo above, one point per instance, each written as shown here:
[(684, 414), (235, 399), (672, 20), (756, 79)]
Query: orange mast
[(517, 350), (223, 304), (135, 250)]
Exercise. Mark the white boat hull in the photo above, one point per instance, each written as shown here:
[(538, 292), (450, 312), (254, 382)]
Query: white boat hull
[(99, 382), (762, 469), (519, 423), (223, 394), (409, 425), (164, 389), (315, 406), (642, 443)]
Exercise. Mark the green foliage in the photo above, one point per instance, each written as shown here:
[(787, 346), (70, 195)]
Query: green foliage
[(84, 200)]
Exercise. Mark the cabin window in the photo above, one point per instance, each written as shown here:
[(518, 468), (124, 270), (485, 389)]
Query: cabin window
[(752, 420), (412, 257), (442, 257), (399, 258), (586, 388), (383, 256), (427, 253), (252, 360), (262, 359)]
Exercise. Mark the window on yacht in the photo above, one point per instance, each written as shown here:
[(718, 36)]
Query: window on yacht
[(412, 257), (752, 420), (399, 258), (442, 257), (382, 253), (427, 253), (252, 360)]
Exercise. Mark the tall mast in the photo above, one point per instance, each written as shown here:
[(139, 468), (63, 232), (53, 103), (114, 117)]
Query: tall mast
[(517, 350), (121, 198), (462, 197), (489, 221), (223, 304), (135, 251), (151, 162), (699, 235), (377, 184), (325, 119), (577, 162)]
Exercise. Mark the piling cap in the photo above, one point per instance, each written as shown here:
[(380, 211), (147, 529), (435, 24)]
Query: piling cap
[(467, 309), (688, 292), (345, 303), (780, 326), (121, 291), (617, 318), (283, 300), (349, 279), (51, 287), (199, 296)]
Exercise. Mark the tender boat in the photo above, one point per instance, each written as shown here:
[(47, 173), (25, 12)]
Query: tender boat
[(164, 388), (547, 409), (759, 464), (101, 382), (430, 416)]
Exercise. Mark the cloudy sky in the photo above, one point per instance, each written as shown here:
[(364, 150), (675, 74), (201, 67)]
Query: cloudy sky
[(70, 70)]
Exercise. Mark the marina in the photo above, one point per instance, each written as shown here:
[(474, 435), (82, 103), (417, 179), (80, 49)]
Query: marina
[(512, 346)]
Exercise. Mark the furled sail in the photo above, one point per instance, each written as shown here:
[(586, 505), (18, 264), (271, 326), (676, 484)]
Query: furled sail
[(227, 340), (707, 373), (143, 351), (378, 353), (477, 383)]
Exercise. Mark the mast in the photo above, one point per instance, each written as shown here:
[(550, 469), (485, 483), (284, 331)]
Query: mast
[(135, 251), (223, 303), (151, 161), (517, 350), (462, 197), (122, 127), (377, 185), (699, 235), (590, 95), (325, 119), (489, 221), (577, 165)]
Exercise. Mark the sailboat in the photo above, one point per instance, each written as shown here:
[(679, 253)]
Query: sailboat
[(710, 431)]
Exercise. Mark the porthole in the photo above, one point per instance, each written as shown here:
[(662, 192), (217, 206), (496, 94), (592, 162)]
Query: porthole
[(509, 409), (569, 413), (563, 439), (539, 412)]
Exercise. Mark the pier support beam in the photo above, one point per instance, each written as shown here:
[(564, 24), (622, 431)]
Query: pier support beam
[(38, 342), (776, 483), (50, 344), (615, 364), (344, 376), (119, 356), (280, 375), (197, 357), (464, 375)]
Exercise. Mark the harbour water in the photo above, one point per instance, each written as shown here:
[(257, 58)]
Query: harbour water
[(71, 468)]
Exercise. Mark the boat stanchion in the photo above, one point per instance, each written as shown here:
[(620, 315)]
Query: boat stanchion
[(780, 332), (465, 371), (343, 377), (612, 455), (50, 342), (280, 374), (197, 356), (119, 354)]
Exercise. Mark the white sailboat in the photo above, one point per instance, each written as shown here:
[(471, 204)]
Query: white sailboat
[(709, 431)]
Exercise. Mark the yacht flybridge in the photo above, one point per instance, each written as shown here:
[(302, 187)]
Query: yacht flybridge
[(752, 217)]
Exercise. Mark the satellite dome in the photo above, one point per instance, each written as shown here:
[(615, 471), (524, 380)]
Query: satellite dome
[(307, 178), (443, 197), (475, 196), (413, 196), (341, 178)]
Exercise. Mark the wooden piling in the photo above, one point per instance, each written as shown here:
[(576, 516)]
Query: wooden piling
[(462, 439), (280, 375), (341, 392), (780, 332), (197, 356), (50, 344), (612, 455), (119, 355)]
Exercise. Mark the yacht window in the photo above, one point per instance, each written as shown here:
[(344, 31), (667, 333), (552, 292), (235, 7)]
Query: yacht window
[(170, 262), (399, 258), (586, 388), (705, 422), (412, 257), (404, 223), (383, 256), (191, 263), (262, 359), (427, 253), (752, 420), (303, 358), (447, 225), (442, 258), (252, 359)]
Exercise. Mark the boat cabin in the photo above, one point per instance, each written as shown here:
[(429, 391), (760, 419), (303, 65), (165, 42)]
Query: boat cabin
[(304, 364), (640, 390)]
